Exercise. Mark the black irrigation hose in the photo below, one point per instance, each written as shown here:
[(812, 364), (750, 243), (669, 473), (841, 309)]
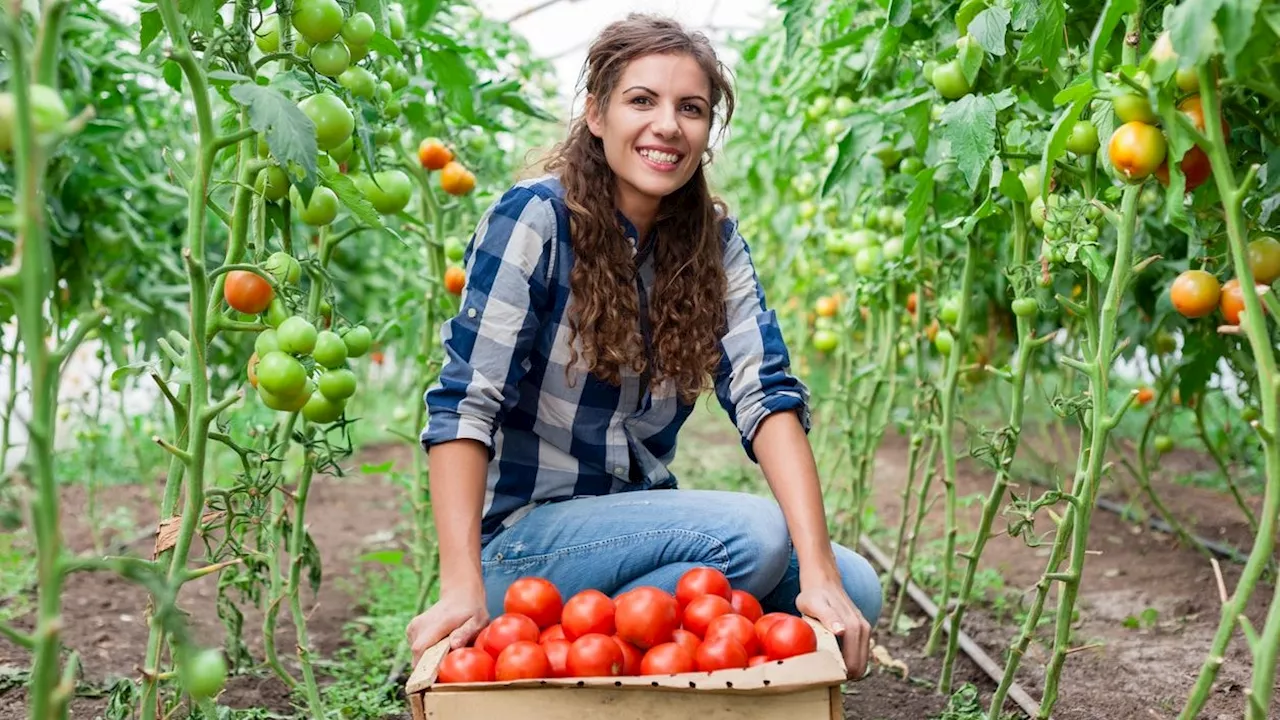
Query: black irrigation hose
[(1220, 549)]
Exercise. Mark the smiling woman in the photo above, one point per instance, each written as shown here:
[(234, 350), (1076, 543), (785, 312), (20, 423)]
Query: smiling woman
[(601, 301)]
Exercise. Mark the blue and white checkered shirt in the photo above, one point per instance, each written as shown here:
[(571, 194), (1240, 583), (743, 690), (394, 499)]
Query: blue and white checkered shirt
[(551, 436)]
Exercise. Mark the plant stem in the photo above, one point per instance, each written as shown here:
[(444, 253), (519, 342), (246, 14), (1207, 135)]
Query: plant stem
[(1085, 489), (1006, 448), (1221, 462), (945, 438), (1254, 324), (295, 601), (927, 469)]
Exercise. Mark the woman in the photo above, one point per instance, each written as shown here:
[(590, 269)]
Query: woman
[(600, 302)]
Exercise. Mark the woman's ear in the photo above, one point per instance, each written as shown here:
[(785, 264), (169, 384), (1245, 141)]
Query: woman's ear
[(594, 122)]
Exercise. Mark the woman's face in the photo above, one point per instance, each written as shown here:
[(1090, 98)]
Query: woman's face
[(655, 128)]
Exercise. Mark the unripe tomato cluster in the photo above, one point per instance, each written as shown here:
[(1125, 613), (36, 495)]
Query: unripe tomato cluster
[(48, 114), (705, 626), (1197, 293)]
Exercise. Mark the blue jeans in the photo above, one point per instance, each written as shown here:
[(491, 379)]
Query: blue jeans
[(613, 543)]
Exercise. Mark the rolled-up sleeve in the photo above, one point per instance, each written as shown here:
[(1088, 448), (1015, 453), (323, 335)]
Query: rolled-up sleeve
[(754, 379), (486, 344)]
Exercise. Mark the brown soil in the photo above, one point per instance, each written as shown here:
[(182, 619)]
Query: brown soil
[(1132, 674)]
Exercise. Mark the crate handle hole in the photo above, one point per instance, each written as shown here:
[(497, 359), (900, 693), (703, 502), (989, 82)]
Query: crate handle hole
[(693, 684), (581, 683), (654, 683), (617, 683), (766, 681), (728, 683)]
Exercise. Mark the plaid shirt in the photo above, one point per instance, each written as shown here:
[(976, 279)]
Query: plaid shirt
[(553, 438)]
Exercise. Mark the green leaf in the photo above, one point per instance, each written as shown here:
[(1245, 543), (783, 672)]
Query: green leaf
[(1112, 13), (796, 18), (378, 469), (1058, 134), (424, 12), (290, 134), (853, 37), (1092, 259), (454, 80), (1192, 30), (384, 45), (886, 47), (1025, 12), (375, 10), (865, 131), (899, 12), (1043, 43), (350, 195), (521, 104), (152, 25), (918, 204), (1236, 22), (969, 126), (916, 116), (172, 75), (199, 14), (988, 28)]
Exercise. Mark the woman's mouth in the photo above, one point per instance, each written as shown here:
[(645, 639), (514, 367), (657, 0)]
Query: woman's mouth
[(660, 160)]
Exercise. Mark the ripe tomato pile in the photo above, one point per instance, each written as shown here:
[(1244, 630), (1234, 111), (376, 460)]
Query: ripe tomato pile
[(705, 626)]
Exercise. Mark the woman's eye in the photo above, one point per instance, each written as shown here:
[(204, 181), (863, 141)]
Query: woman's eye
[(640, 100)]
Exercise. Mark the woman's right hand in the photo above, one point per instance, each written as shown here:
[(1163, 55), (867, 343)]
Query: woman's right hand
[(459, 617)]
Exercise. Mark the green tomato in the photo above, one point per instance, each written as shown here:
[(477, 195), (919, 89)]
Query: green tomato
[(276, 312), (267, 36), (48, 113), (832, 128), (322, 209), (892, 248), (317, 20), (884, 217), (843, 106), (297, 335), (358, 340), (389, 191), (859, 239), (867, 261), (1026, 307), (266, 342), (943, 342), (1187, 79), (320, 409), (950, 81), (1031, 178), (301, 47), (358, 29), (283, 267), (825, 340), (927, 70), (1130, 107), (949, 312), (330, 351), (337, 384), (391, 111), (383, 93), (396, 76), (1165, 343), (910, 165), (454, 249), (1163, 444), (332, 118), (1249, 413), (203, 673), (330, 58), (281, 375), (285, 403), (1083, 139), (341, 153), (359, 81), (395, 22), (818, 107), (272, 183), (358, 52)]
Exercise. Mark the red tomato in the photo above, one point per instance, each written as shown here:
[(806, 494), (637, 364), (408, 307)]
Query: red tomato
[(701, 581), (590, 611), (788, 637), (721, 653), (667, 659), (522, 660), (686, 640), (767, 621), (558, 656), (646, 616), (595, 655), (631, 656), (746, 605), (507, 629), (479, 642), (535, 597), (702, 610), (757, 660), (737, 627), (466, 665), (555, 632)]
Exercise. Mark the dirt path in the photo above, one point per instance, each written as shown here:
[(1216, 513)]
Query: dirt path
[(1131, 673)]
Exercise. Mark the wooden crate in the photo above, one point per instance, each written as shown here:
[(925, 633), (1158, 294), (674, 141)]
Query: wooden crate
[(805, 687)]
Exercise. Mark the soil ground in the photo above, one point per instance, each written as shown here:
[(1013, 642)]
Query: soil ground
[(1124, 673)]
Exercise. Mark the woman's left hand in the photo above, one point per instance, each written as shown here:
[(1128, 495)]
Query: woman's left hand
[(828, 603)]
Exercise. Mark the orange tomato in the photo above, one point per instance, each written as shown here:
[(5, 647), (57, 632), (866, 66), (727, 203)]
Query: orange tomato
[(1233, 301), (1195, 293), (911, 303), (1145, 395), (455, 278), (1137, 150), (456, 179), (1195, 166), (433, 154), (253, 369), (247, 292), (1194, 109), (826, 307)]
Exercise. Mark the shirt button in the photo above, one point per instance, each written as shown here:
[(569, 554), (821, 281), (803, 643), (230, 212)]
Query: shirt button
[(619, 471), (471, 312)]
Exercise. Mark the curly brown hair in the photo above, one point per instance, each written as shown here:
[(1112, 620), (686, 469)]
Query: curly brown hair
[(687, 312)]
